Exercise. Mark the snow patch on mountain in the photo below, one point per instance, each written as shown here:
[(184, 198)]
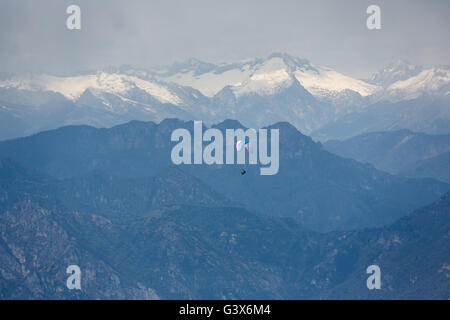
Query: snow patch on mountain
[(322, 81), (429, 80), (264, 77), (395, 71), (210, 83), (268, 79), (73, 87)]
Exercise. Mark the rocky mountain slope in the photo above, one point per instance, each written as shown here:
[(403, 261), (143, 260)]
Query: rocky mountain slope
[(203, 252)]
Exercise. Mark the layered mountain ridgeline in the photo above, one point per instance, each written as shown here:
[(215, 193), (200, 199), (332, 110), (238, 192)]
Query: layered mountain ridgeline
[(203, 252), (36, 248), (105, 194), (436, 167), (317, 100), (423, 114), (399, 152), (413, 252), (321, 190)]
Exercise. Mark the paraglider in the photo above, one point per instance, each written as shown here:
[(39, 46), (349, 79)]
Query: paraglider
[(241, 144), (182, 152)]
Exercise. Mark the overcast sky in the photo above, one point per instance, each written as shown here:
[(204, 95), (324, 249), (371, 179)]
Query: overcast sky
[(34, 37)]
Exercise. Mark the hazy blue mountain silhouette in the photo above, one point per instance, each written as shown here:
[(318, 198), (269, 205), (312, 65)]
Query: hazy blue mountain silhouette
[(207, 252), (399, 152), (423, 114), (322, 190)]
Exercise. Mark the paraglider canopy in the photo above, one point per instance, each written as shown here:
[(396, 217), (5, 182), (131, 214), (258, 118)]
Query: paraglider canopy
[(241, 144)]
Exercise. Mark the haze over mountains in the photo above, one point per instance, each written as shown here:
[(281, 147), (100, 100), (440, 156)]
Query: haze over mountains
[(399, 152), (357, 194), (111, 201), (176, 251), (317, 100)]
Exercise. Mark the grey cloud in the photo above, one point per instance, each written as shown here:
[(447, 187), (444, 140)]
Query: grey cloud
[(33, 35)]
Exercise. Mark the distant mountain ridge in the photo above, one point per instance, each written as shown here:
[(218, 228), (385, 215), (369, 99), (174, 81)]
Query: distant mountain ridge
[(425, 114), (399, 152), (256, 92), (357, 194), (272, 71)]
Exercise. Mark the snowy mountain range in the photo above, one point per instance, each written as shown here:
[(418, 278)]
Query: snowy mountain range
[(257, 92), (264, 76)]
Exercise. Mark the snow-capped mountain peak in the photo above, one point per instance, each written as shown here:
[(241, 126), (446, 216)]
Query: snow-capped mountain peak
[(73, 87), (395, 71), (433, 81), (257, 92), (265, 76), (322, 81), (267, 79)]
